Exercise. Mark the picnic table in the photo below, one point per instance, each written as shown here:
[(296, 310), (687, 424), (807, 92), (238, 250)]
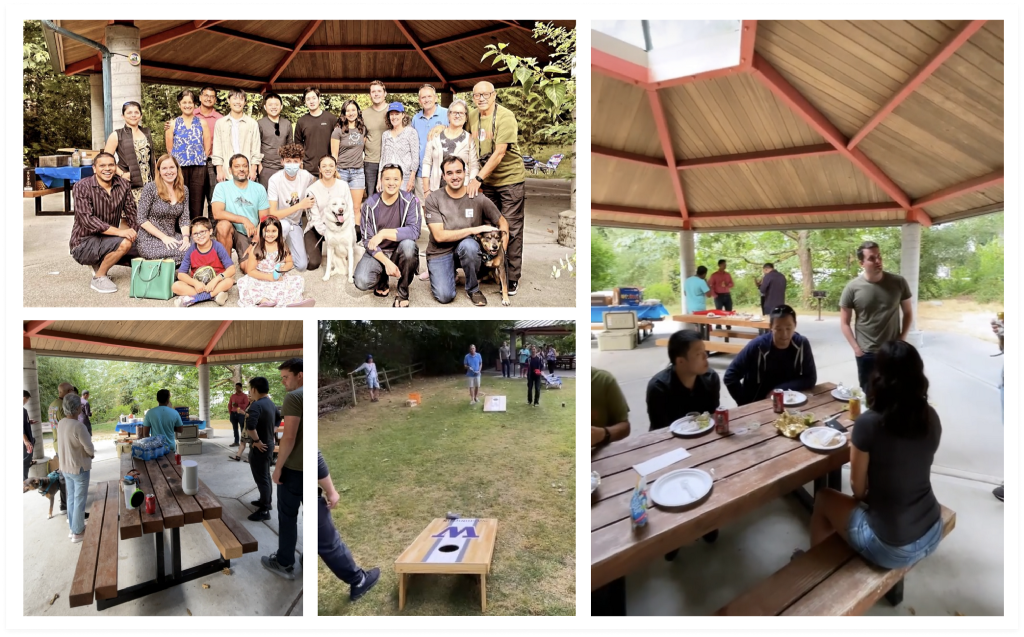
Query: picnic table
[(751, 469), (111, 520), (57, 179), (704, 323)]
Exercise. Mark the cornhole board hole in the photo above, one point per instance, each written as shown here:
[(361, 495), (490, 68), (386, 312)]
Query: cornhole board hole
[(449, 547), (494, 403)]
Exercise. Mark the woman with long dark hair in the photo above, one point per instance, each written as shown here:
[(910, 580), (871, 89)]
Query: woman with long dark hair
[(347, 143), (893, 519), (134, 147)]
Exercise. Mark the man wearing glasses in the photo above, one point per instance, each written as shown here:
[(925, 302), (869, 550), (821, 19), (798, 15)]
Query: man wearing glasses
[(374, 119), (423, 122), (502, 178), (275, 132)]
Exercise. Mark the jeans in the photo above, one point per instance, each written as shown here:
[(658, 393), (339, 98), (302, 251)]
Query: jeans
[(259, 464), (511, 203), (533, 384), (332, 550), (370, 177), (506, 368), (296, 244), (289, 497), (442, 270), (723, 302), (874, 550), (78, 489), (237, 422), (370, 273), (28, 461), (865, 364)]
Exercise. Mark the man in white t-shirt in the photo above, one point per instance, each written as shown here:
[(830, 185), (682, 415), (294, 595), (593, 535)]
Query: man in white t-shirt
[(287, 194)]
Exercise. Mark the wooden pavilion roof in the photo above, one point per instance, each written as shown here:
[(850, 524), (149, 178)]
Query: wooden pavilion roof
[(287, 55), (167, 342), (822, 124)]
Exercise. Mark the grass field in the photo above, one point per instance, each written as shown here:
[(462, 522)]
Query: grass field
[(399, 467), (543, 152)]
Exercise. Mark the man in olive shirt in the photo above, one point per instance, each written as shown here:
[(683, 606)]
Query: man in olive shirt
[(453, 216), (314, 130), (609, 412), (374, 119), (288, 473), (877, 297), (502, 176)]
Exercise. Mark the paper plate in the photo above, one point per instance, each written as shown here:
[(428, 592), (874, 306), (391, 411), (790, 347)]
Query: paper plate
[(595, 481), (791, 398), (681, 487), (812, 438), (839, 396), (677, 427)]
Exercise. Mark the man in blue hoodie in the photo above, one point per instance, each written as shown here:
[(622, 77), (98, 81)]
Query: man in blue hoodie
[(780, 359)]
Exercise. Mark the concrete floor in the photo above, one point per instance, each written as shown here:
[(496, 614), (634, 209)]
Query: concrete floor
[(48, 551), (965, 575), (52, 278)]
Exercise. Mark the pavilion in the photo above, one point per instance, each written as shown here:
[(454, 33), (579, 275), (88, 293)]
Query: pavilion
[(738, 126)]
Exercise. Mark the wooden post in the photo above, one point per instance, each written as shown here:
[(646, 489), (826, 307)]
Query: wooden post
[(353, 381), (386, 383)]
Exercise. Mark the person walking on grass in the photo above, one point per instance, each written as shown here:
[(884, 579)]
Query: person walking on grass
[(371, 376), (506, 360), (533, 376), (473, 364), (524, 359), (329, 545), (288, 473)]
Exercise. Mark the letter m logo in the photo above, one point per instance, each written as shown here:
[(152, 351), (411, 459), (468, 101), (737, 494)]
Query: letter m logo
[(454, 532)]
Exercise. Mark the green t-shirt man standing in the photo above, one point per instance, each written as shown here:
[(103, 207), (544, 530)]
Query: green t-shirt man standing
[(288, 473)]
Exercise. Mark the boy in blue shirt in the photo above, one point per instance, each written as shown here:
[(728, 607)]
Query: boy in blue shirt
[(473, 363)]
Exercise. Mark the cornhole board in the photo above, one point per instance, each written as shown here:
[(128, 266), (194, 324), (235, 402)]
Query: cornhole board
[(449, 547), (494, 403)]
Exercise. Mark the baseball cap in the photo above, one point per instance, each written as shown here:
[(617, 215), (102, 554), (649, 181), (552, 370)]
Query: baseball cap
[(396, 106)]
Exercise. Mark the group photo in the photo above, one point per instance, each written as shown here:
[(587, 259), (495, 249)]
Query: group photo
[(437, 170)]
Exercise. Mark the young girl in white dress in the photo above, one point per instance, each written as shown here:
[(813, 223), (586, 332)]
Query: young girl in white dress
[(270, 281)]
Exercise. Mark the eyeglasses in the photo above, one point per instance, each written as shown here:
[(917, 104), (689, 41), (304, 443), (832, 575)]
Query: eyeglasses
[(200, 233), (277, 128), (386, 166), (482, 96), (454, 113)]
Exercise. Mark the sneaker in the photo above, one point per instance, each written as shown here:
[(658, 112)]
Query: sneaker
[(272, 565), (103, 285), (71, 534), (370, 578), (221, 298), (513, 287), (998, 492), (184, 301), (261, 515), (77, 539)]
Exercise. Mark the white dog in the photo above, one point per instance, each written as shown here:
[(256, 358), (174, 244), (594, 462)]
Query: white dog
[(340, 239)]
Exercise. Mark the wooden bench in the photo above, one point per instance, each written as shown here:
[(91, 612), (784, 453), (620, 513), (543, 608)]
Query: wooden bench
[(232, 539), (96, 572), (38, 196), (711, 346), (733, 334), (829, 579)]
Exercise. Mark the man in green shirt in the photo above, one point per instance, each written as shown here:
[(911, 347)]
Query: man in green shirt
[(288, 473), (162, 420), (502, 176), (609, 412)]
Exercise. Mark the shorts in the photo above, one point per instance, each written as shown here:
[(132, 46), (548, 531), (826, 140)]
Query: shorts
[(474, 381), (373, 383), (241, 244), (874, 550), (354, 177), (95, 247)]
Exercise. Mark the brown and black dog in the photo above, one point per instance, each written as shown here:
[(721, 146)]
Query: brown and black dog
[(46, 488), (492, 255)]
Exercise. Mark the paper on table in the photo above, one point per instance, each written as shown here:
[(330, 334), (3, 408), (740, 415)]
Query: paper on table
[(660, 462)]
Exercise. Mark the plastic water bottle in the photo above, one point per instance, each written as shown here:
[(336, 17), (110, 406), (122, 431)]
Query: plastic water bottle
[(76, 159)]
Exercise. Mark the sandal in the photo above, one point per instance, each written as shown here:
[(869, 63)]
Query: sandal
[(478, 298), (383, 294), (235, 458), (398, 303), (266, 303)]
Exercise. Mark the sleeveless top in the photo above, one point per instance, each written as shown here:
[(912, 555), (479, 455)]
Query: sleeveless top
[(188, 143), (129, 153)]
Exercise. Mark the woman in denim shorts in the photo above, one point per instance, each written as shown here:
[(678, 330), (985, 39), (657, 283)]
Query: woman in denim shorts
[(893, 519), (347, 147)]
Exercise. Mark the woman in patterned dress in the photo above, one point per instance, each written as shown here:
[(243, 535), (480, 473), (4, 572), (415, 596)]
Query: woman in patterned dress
[(453, 140), (190, 141), (163, 208), (399, 145), (269, 281), (134, 147)]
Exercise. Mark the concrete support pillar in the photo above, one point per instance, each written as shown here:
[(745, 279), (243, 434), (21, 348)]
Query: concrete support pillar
[(910, 269), (96, 110), (688, 264), (30, 381), (204, 393), (126, 80), (572, 182)]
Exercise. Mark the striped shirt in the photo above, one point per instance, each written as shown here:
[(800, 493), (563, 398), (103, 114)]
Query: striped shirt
[(96, 210)]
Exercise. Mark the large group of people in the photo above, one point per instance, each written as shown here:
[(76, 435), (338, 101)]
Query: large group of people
[(268, 187)]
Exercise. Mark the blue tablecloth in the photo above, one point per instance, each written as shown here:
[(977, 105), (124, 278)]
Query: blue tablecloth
[(52, 175), (130, 426), (643, 312)]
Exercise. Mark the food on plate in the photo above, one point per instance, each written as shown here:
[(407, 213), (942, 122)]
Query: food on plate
[(692, 423), (792, 425)]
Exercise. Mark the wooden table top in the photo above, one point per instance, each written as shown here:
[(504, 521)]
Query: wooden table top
[(162, 478), (721, 320), (751, 469)]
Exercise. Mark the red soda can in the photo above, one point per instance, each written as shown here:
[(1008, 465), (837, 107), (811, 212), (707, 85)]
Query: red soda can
[(177, 458), (722, 421), (778, 401), (150, 504)]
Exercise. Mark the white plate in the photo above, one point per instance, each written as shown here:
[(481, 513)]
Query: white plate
[(808, 437), (676, 426), (838, 396), (791, 398), (595, 481), (681, 487)]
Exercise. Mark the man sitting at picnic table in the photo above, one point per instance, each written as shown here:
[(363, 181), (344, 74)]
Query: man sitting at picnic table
[(609, 412), (97, 238), (162, 420), (780, 359)]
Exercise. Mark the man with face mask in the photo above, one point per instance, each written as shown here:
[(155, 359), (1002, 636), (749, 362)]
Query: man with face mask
[(275, 132), (287, 194)]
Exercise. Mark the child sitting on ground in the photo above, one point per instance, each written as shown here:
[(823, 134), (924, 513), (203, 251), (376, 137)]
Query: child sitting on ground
[(270, 282), (207, 271)]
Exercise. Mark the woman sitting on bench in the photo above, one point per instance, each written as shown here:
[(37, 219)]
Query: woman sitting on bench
[(893, 519), (780, 359)]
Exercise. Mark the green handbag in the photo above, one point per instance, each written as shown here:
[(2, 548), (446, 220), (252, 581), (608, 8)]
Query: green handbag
[(152, 279)]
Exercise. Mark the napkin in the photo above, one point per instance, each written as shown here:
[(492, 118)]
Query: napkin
[(660, 462)]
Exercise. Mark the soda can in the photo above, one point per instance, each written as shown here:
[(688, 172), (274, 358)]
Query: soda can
[(151, 504), (177, 458), (778, 401), (722, 421)]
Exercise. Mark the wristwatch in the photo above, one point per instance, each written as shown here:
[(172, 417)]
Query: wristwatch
[(607, 436), (477, 177)]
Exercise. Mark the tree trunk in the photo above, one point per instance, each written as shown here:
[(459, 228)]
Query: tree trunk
[(803, 251), (236, 375)]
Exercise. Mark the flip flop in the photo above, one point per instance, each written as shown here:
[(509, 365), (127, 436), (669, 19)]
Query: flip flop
[(382, 293), (398, 303), (235, 458)]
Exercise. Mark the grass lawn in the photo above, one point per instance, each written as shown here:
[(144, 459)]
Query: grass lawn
[(397, 468), (543, 152)]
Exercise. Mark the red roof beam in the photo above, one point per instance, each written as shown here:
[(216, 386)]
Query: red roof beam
[(946, 50), (665, 136), (469, 35), (254, 350), (85, 339), (618, 69), (287, 59), (34, 327), (748, 34), (176, 68), (643, 160), (971, 185), (761, 155), (917, 215), (670, 215), (847, 209), (224, 325), (786, 92), (413, 40)]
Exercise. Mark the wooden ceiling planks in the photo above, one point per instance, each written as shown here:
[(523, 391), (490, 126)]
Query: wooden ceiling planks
[(96, 30), (621, 118), (640, 221), (968, 201), (626, 184)]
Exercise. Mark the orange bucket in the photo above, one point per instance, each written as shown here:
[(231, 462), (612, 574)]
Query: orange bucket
[(415, 397)]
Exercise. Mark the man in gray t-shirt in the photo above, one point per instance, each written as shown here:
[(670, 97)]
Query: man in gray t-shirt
[(453, 218), (877, 297), (275, 131)]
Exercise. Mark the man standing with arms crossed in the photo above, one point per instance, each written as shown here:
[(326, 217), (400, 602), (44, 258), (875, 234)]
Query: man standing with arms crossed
[(502, 176), (473, 362), (877, 297), (288, 473), (237, 404), (432, 115), (374, 118)]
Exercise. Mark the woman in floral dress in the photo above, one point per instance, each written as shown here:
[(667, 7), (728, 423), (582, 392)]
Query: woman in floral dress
[(163, 208), (270, 281)]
